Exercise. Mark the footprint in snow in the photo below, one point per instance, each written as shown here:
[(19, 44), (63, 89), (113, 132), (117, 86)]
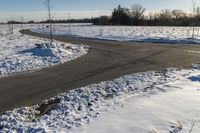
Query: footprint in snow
[(176, 128)]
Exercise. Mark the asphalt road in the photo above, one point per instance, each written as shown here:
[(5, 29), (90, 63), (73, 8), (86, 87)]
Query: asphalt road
[(106, 60)]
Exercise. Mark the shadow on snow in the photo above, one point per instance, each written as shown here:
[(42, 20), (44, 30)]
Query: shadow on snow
[(43, 52), (194, 78)]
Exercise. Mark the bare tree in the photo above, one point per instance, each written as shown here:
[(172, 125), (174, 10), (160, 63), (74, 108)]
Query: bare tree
[(165, 14), (49, 10), (178, 14), (151, 16), (197, 10), (137, 11), (193, 16), (69, 24), (10, 26), (100, 26), (198, 18), (22, 22)]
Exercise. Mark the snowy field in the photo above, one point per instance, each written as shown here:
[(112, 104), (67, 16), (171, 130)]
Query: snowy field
[(149, 102), (127, 33), (19, 54)]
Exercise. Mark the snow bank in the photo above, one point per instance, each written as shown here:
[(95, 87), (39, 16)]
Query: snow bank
[(118, 97), (18, 53), (171, 107), (128, 33), (78, 106)]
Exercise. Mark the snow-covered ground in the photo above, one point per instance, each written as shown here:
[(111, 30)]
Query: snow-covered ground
[(142, 103), (148, 102), (127, 33), (18, 53), (172, 107)]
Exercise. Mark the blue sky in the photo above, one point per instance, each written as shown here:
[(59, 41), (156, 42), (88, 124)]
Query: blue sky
[(37, 5), (13, 7)]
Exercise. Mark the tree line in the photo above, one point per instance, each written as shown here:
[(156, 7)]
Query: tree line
[(136, 16), (86, 20)]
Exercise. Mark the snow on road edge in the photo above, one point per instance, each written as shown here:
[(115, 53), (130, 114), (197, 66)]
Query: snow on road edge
[(172, 107), (79, 106), (18, 53)]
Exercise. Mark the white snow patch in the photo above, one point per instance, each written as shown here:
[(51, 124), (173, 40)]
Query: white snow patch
[(141, 102), (192, 51), (19, 54), (128, 33), (78, 107), (172, 107)]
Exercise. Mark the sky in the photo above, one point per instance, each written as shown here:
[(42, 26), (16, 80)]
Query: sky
[(35, 9)]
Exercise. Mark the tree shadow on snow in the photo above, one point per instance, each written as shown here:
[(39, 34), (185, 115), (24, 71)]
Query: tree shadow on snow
[(39, 52)]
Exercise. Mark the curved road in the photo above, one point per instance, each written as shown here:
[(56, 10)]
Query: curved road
[(105, 61)]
